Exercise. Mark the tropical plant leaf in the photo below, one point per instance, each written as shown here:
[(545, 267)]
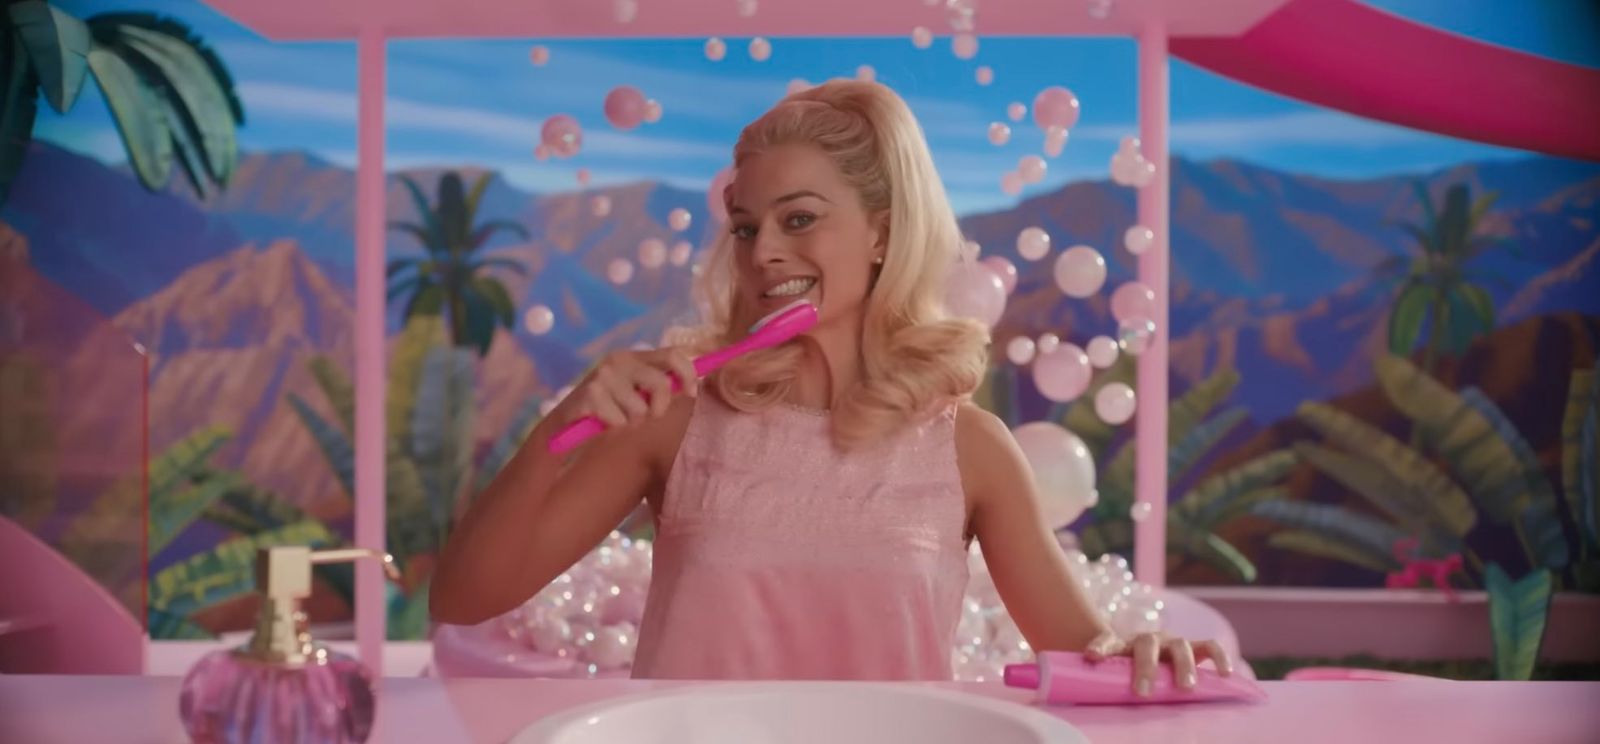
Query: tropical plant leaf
[(501, 262), (226, 571), (1580, 458), (1402, 503), (409, 285), (168, 26), (1196, 403), (56, 44), (1320, 545), (248, 510), (451, 210), (172, 511), (204, 115), (408, 614), (166, 626), (1206, 503), (1245, 503), (1099, 538), (1464, 317), (498, 298), (1200, 440), (441, 428), (488, 229), (510, 440), (1211, 549), (431, 237), (140, 117), (1481, 460), (1406, 318), (337, 390), (420, 232), (1387, 472), (1538, 522), (1116, 483), (1080, 418), (475, 194), (1517, 614), (397, 265), (408, 524), (18, 110), (335, 446), (421, 333), (1481, 207), (1480, 306), (185, 458), (1455, 225), (1371, 536), (481, 318), (427, 299), (1425, 200)]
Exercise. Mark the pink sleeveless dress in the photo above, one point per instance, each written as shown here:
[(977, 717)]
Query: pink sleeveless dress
[(779, 557)]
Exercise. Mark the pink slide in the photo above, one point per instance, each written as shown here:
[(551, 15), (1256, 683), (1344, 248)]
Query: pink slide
[(54, 619)]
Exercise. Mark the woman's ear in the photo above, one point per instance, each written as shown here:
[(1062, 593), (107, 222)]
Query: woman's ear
[(880, 227)]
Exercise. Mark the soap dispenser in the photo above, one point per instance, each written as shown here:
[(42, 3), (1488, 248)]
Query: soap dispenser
[(282, 686)]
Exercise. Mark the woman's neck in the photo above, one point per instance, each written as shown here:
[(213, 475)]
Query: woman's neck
[(831, 363)]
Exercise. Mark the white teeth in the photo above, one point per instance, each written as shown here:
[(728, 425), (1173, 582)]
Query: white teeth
[(791, 288)]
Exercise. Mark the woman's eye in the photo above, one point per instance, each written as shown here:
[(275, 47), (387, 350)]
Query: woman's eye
[(743, 232), (800, 220)]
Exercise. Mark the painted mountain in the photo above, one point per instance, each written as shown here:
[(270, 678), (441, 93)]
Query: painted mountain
[(1271, 275)]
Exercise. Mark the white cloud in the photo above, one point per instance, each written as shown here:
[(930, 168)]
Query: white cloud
[(1299, 128), (471, 124)]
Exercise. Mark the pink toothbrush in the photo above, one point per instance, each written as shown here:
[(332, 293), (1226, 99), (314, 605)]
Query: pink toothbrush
[(1063, 678), (772, 329)]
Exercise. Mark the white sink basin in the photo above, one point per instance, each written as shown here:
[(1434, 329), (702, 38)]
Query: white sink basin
[(803, 713)]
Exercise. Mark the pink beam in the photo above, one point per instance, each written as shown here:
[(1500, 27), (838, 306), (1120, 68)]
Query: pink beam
[(370, 374), (1150, 455), (1347, 55)]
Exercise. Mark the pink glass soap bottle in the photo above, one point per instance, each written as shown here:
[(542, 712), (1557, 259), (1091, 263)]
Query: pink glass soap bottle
[(281, 686)]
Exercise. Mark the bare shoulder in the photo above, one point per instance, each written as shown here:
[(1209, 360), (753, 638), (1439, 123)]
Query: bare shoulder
[(979, 431), (986, 452)]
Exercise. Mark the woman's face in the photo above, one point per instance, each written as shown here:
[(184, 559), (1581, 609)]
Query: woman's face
[(801, 233)]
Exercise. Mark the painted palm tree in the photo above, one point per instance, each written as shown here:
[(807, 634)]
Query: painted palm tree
[(430, 468), (1439, 294), (1194, 430), (451, 278), (170, 94), (1471, 462), (1195, 427)]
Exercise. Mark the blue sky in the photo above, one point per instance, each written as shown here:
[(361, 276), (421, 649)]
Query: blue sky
[(481, 102)]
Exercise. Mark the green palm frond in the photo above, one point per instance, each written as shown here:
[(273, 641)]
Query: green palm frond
[(1391, 475), (1361, 534)]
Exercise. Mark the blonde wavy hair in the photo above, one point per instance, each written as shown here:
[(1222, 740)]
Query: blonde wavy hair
[(915, 358)]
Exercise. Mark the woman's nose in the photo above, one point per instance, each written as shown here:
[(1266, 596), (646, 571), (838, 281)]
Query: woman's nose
[(768, 248)]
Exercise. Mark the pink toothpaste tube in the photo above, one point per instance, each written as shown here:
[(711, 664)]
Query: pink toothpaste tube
[(1063, 678)]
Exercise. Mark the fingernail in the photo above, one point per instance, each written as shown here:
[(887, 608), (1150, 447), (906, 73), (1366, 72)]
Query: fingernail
[(1142, 688), (1188, 680)]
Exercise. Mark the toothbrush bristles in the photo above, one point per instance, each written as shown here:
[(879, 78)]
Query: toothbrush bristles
[(765, 319)]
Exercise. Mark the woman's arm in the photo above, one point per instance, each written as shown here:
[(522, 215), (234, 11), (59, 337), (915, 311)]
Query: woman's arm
[(1029, 568), (543, 512)]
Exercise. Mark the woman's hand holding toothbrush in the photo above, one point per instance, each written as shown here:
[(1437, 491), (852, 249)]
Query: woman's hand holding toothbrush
[(629, 387)]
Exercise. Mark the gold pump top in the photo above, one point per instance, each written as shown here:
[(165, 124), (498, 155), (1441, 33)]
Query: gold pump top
[(283, 579)]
